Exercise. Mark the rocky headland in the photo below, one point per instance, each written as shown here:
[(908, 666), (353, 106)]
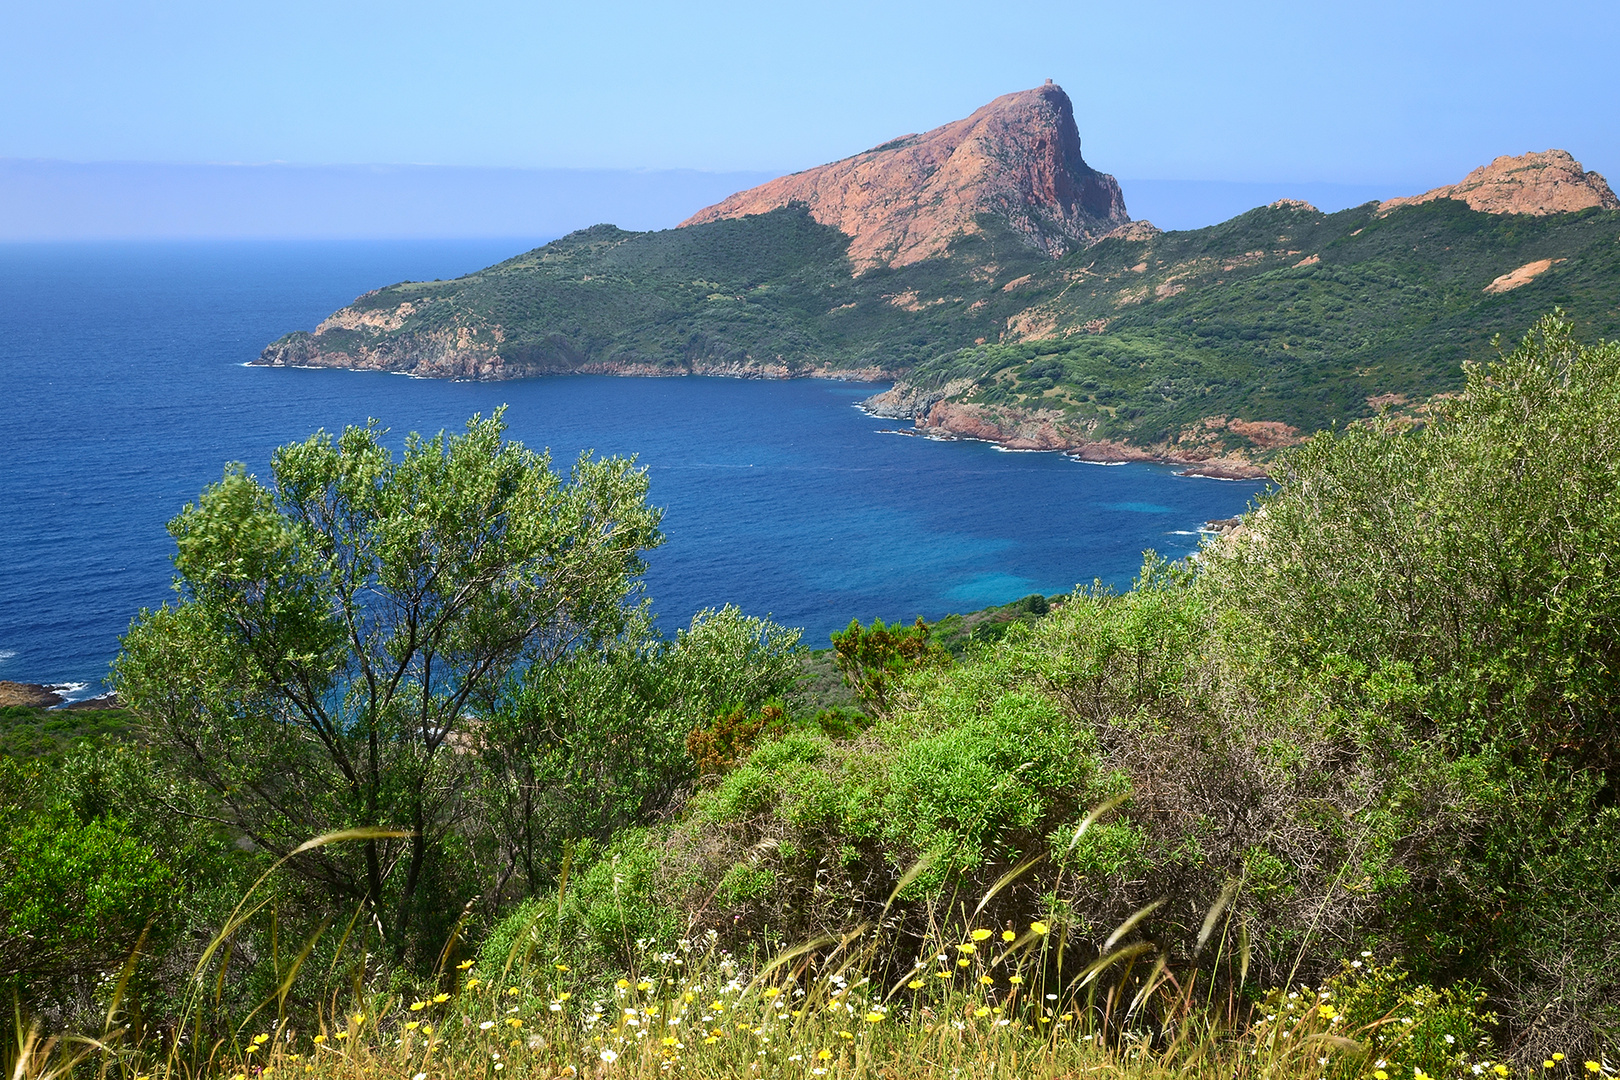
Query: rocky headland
[(995, 276)]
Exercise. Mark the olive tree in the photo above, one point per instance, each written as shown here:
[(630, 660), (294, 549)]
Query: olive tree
[(342, 633)]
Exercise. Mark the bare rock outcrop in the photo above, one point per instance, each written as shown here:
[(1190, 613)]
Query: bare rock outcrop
[(1017, 159), (1548, 182), (31, 695)]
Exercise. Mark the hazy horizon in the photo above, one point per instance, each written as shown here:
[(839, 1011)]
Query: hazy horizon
[(54, 201)]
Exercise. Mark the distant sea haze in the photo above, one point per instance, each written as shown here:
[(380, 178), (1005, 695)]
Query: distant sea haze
[(126, 393), (53, 200)]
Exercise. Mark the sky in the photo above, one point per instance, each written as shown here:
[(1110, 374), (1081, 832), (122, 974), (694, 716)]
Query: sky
[(1396, 97)]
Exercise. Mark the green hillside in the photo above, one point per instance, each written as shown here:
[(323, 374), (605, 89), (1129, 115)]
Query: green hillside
[(1224, 321), (1282, 314), (775, 288)]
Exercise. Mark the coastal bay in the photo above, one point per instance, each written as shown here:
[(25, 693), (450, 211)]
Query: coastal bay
[(127, 394)]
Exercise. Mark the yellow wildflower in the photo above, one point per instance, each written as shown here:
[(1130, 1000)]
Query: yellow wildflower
[(562, 967), (980, 935), (982, 1011), (942, 974), (464, 965), (916, 984), (1040, 928), (1008, 935), (967, 948), (771, 991), (1592, 1067), (1016, 980), (874, 1018), (986, 980), (319, 1039), (472, 984), (623, 984), (418, 1006), (440, 999), (643, 985)]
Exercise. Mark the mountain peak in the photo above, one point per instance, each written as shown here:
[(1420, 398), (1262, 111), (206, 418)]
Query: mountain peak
[(1548, 182), (1016, 159)]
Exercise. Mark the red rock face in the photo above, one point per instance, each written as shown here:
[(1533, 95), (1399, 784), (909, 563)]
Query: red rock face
[(1550, 182), (1018, 159)]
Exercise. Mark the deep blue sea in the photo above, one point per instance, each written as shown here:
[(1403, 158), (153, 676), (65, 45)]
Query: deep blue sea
[(123, 392)]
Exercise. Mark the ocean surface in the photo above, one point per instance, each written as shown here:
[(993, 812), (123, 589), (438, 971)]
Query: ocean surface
[(123, 393)]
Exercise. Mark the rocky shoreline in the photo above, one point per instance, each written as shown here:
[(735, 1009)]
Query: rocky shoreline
[(930, 410), (439, 355), (935, 416)]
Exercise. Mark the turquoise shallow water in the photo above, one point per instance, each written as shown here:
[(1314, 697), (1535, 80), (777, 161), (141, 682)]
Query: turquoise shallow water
[(123, 392)]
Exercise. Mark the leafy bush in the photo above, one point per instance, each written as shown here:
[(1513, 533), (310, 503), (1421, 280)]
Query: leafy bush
[(75, 896), (717, 748), (874, 658)]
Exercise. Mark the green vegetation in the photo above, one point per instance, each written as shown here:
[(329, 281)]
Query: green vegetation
[(1282, 314), (1227, 322), (1336, 798), (774, 289), (29, 732)]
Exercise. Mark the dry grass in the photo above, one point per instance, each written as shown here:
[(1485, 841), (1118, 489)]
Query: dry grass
[(981, 1003), (976, 1002)]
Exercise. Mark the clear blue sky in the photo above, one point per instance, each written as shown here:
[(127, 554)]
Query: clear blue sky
[(1347, 92)]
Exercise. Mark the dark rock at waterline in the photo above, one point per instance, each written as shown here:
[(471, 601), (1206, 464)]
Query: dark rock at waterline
[(105, 701)]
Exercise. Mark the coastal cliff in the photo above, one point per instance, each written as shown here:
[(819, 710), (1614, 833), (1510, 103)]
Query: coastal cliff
[(1017, 160)]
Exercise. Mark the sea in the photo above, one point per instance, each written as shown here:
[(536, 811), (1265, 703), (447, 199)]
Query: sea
[(124, 391)]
